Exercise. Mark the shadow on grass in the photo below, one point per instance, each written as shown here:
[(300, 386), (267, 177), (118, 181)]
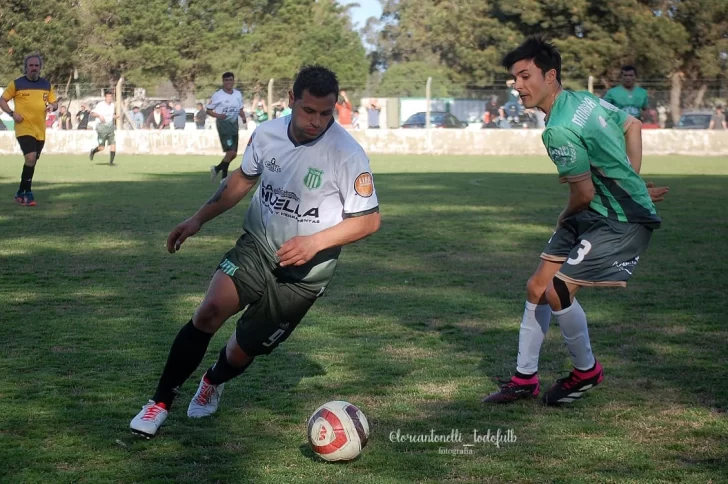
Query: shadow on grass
[(91, 302)]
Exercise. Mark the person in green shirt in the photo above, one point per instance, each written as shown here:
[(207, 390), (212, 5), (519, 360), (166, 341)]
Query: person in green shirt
[(606, 225), (629, 98)]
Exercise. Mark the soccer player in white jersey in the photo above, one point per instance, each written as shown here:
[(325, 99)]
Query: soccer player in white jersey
[(226, 105), (316, 194), (105, 113)]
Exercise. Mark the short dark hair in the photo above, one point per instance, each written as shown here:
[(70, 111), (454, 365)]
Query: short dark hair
[(108, 93), (317, 80), (629, 69), (227, 75), (541, 51)]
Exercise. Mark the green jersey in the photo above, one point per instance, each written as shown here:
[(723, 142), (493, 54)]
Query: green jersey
[(631, 102), (584, 137)]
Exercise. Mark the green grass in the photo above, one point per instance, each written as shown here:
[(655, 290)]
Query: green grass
[(417, 322)]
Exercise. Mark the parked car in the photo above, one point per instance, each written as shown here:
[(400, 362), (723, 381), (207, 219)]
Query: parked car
[(694, 120), (438, 119)]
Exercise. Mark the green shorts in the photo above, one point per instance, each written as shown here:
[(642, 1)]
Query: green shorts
[(228, 133), (274, 308), (105, 133), (595, 250)]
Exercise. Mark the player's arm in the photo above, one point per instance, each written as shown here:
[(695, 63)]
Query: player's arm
[(8, 94), (232, 190), (299, 250), (632, 128), (581, 193), (52, 100)]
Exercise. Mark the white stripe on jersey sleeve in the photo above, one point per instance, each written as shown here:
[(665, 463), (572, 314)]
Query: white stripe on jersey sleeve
[(251, 164)]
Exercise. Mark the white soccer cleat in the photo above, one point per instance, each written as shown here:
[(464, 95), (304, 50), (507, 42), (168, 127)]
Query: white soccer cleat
[(206, 400), (213, 173), (148, 421)]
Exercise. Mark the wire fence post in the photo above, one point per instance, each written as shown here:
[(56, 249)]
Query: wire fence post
[(119, 107), (428, 89), (270, 99), (590, 84)]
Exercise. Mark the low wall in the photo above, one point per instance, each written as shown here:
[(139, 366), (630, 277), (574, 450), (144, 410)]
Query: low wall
[(397, 141)]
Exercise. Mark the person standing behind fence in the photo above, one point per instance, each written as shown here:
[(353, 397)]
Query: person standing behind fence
[(344, 110), (226, 106), (104, 112), (82, 117), (137, 118), (373, 112), (200, 116), (631, 99), (179, 117), (34, 97), (64, 118), (718, 119)]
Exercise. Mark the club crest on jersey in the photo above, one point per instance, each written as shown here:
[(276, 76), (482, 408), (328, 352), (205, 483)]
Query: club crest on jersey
[(312, 180)]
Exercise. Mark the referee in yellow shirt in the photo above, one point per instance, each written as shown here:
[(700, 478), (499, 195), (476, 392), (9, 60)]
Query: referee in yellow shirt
[(34, 97)]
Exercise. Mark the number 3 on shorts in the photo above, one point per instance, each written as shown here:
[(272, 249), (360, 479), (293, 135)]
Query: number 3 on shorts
[(580, 253)]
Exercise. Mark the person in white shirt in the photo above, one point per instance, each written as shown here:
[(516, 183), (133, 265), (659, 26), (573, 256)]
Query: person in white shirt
[(316, 194), (105, 113), (226, 106)]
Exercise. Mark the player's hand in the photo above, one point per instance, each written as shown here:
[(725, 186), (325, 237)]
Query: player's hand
[(657, 194), (188, 228), (18, 118), (297, 251)]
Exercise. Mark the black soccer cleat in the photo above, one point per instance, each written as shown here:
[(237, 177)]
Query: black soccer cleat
[(571, 388), (514, 389)]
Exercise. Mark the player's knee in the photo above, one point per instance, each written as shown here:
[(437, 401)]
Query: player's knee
[(235, 355), (557, 295), (31, 158), (209, 317), (535, 289)]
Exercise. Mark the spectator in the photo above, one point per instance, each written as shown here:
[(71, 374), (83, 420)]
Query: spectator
[(373, 112), (154, 120), (629, 97), (51, 119), (200, 116), (64, 118), (343, 110), (355, 120), (261, 112), (718, 119), (179, 116), (166, 113), (82, 117), (136, 118)]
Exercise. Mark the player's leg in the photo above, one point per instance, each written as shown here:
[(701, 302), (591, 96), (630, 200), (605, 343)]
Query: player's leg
[(112, 148), (264, 325), (187, 351), (607, 253), (28, 147), (535, 322), (100, 144)]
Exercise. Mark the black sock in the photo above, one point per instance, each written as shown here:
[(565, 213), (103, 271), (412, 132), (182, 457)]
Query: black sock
[(218, 168), (225, 169), (523, 375), (26, 178), (185, 356), (95, 150), (222, 371), (113, 154)]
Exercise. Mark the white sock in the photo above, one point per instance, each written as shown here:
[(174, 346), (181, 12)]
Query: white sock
[(572, 321), (535, 324)]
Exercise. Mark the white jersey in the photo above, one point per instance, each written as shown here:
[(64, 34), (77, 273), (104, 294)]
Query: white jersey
[(304, 189), (227, 104), (107, 111)]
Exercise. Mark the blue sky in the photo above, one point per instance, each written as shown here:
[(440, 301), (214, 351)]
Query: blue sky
[(367, 8)]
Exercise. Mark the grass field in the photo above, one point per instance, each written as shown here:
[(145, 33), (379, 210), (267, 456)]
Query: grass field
[(418, 321)]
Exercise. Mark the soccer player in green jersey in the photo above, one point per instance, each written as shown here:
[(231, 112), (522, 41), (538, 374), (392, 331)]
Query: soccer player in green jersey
[(600, 235), (629, 98)]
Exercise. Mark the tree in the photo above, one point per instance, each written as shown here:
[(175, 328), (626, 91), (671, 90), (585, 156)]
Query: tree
[(44, 26)]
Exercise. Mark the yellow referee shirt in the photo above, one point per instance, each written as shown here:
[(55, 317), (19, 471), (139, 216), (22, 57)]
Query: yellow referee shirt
[(31, 98)]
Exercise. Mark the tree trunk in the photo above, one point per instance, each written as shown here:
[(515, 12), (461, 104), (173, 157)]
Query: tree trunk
[(698, 103), (676, 79)]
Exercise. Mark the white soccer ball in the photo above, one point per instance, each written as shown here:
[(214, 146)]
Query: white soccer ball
[(338, 430)]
